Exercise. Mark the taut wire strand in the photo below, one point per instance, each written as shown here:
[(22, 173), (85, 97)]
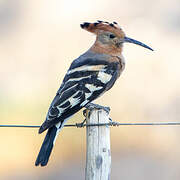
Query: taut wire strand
[(79, 125)]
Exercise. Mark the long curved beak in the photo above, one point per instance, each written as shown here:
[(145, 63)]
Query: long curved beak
[(129, 40)]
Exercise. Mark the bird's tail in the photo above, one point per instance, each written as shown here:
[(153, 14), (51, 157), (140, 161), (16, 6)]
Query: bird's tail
[(47, 146)]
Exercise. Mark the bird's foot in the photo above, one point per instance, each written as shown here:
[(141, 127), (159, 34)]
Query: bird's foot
[(80, 125), (91, 106)]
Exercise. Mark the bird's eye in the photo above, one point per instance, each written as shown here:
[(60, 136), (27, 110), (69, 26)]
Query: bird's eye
[(112, 36)]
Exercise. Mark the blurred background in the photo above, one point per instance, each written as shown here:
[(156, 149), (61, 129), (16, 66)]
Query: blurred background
[(39, 40)]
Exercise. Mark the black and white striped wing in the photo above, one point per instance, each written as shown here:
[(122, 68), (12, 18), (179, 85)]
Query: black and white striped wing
[(64, 105), (83, 83)]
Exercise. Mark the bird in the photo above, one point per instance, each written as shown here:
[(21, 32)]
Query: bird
[(88, 77)]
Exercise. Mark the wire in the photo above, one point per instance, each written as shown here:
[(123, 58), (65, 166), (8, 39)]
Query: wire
[(79, 125)]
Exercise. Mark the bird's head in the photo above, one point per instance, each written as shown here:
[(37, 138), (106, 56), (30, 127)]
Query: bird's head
[(110, 36)]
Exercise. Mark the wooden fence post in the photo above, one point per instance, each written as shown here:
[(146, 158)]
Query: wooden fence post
[(98, 153)]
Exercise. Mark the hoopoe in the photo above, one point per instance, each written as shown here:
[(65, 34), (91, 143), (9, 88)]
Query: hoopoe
[(89, 76)]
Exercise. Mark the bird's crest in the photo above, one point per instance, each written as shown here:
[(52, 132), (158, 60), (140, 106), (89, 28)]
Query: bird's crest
[(100, 26)]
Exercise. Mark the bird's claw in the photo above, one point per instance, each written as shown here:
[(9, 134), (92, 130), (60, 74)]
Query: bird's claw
[(91, 106)]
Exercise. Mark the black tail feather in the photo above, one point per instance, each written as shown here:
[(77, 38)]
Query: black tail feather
[(46, 147)]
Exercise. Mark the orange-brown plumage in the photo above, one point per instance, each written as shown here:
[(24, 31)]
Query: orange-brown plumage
[(100, 26), (102, 49), (104, 44)]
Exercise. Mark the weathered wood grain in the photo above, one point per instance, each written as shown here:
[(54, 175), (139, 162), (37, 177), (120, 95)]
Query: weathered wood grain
[(98, 153)]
